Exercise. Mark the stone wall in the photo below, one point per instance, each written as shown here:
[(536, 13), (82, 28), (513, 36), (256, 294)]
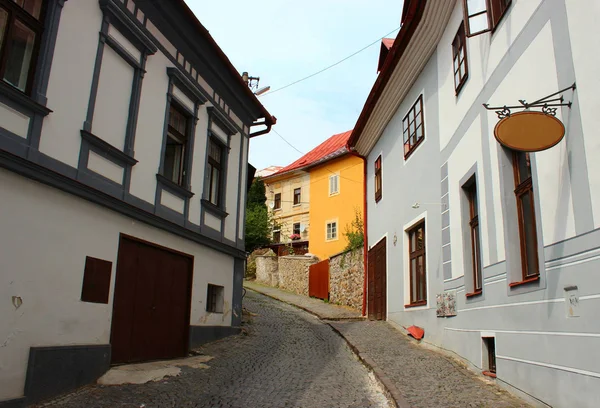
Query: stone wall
[(267, 270), (346, 279), (293, 273)]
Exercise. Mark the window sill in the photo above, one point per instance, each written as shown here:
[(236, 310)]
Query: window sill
[(22, 99), (416, 304), (526, 281), (334, 194), (415, 147), (489, 374), (213, 209), (276, 209), (473, 294), (296, 205), (174, 187), (118, 155), (377, 198)]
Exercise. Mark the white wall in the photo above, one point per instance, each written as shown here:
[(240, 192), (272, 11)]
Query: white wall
[(150, 126), (70, 81), (585, 30), (42, 261)]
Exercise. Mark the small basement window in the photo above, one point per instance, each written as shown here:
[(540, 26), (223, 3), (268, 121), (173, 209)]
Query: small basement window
[(215, 296), (489, 354)]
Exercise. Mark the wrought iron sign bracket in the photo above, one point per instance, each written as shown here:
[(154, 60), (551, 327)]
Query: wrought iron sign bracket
[(549, 104)]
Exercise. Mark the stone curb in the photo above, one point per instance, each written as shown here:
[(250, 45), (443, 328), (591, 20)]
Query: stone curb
[(391, 389), (312, 312)]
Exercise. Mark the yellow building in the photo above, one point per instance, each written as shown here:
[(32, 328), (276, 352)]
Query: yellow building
[(317, 197)]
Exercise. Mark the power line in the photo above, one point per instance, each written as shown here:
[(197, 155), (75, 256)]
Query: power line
[(332, 65)]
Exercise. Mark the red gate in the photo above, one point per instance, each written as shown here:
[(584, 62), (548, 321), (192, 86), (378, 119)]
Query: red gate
[(318, 280)]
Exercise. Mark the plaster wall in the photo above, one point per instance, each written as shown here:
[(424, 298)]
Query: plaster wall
[(60, 231), (77, 35), (539, 48)]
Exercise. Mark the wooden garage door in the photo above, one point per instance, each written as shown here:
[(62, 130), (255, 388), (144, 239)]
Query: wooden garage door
[(151, 307), (376, 276)]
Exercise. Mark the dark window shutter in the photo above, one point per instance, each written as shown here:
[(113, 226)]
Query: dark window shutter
[(96, 280)]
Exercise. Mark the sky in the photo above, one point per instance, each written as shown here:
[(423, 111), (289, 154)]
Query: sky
[(282, 41)]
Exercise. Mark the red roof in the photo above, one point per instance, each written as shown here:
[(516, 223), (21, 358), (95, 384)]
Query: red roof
[(333, 147)]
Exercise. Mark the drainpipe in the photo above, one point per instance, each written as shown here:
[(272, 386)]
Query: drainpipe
[(366, 241), (267, 123)]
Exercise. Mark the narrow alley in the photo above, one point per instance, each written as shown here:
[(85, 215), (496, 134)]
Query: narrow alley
[(287, 359)]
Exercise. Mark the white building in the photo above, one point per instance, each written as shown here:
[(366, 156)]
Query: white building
[(124, 135), (509, 242)]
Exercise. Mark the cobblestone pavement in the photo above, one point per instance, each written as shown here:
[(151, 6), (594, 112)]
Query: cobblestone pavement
[(317, 307), (289, 358), (425, 378)]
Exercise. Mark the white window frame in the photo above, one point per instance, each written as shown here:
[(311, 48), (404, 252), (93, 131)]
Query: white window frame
[(335, 177), (337, 232)]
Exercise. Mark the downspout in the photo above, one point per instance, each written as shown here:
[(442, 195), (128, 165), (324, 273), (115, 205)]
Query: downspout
[(366, 241), (268, 124)]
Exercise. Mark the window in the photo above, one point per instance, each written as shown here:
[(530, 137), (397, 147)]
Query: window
[(334, 184), (296, 228), (20, 31), (378, 186), (214, 298), (215, 169), (413, 127), (416, 255), (459, 59), (276, 236), (177, 145), (471, 191), (277, 202), (526, 214), (297, 196), (489, 348), (482, 16), (331, 231)]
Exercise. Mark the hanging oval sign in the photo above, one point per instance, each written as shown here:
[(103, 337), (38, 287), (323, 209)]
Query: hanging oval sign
[(529, 131)]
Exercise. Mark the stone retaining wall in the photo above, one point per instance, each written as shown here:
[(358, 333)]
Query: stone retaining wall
[(293, 273), (267, 270), (346, 279)]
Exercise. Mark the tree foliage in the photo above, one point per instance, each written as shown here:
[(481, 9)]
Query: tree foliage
[(258, 220), (354, 233)]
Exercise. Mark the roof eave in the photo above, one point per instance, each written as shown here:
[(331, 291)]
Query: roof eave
[(411, 16)]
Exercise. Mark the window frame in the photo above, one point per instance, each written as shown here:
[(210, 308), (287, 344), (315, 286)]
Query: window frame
[(335, 177), (172, 131), (460, 42), (334, 227), (490, 11), (212, 298), (378, 179), (211, 163), (277, 202), (294, 228), (475, 238), (524, 187), (415, 254), (298, 196), (278, 232), (406, 128), (36, 25)]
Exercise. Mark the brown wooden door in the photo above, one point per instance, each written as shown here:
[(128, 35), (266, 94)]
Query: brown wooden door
[(376, 277), (151, 306)]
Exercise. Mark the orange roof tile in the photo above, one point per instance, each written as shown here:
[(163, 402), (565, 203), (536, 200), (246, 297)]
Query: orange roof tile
[(329, 149)]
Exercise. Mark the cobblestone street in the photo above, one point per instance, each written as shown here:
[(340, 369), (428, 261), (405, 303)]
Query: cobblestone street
[(288, 359)]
